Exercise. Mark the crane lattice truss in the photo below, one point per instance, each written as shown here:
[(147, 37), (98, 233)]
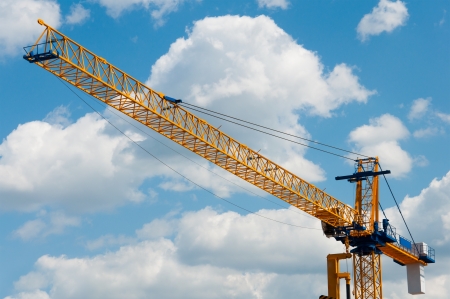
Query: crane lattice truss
[(80, 67), (367, 265), (367, 276)]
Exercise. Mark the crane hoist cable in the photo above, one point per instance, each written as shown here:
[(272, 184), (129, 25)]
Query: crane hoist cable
[(274, 130), (198, 164), (179, 173), (357, 227), (399, 210), (306, 139), (276, 137), (261, 131)]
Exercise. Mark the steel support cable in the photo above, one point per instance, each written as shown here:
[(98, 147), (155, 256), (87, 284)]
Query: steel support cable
[(175, 151), (180, 174), (267, 128), (328, 152), (399, 210), (385, 217)]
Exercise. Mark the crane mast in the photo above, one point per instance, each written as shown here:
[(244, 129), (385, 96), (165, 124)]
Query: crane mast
[(357, 227), (367, 262)]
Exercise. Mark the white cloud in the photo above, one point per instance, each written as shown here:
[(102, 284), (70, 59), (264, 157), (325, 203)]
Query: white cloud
[(212, 255), (381, 138), (59, 116), (88, 166), (227, 255), (156, 229), (158, 8), (421, 161), (384, 128), (46, 224), (78, 167), (385, 17), (436, 287), (228, 240), (423, 133), (31, 229), (30, 295), (426, 215), (283, 4), (444, 117), (261, 73), (20, 19), (419, 108), (108, 241), (78, 14), (442, 21), (251, 69)]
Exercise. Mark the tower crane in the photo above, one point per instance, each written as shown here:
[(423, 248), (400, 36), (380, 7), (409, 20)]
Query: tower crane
[(359, 228)]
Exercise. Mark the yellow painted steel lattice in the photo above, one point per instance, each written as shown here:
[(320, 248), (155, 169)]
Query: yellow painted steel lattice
[(94, 75), (83, 69), (367, 276)]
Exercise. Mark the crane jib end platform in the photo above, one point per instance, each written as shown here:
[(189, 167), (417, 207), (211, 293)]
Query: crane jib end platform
[(32, 58)]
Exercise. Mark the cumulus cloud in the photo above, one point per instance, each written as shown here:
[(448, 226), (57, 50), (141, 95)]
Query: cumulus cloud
[(78, 14), (421, 161), (444, 117), (419, 108), (385, 17), (108, 241), (436, 287), (261, 74), (429, 209), (20, 17), (69, 163), (211, 255), (158, 8), (46, 224), (427, 215), (381, 138), (283, 4), (251, 69), (88, 166), (227, 240)]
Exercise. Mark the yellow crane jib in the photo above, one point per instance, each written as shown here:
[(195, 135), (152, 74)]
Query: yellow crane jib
[(357, 227), (85, 70)]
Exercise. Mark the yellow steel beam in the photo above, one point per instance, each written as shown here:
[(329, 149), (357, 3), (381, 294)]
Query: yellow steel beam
[(100, 79), (334, 274), (394, 251)]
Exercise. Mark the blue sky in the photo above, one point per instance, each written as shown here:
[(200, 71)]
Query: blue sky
[(87, 214)]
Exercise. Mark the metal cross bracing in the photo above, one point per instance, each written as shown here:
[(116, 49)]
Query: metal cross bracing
[(92, 74), (369, 194), (366, 207), (367, 266), (100, 79), (367, 276)]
